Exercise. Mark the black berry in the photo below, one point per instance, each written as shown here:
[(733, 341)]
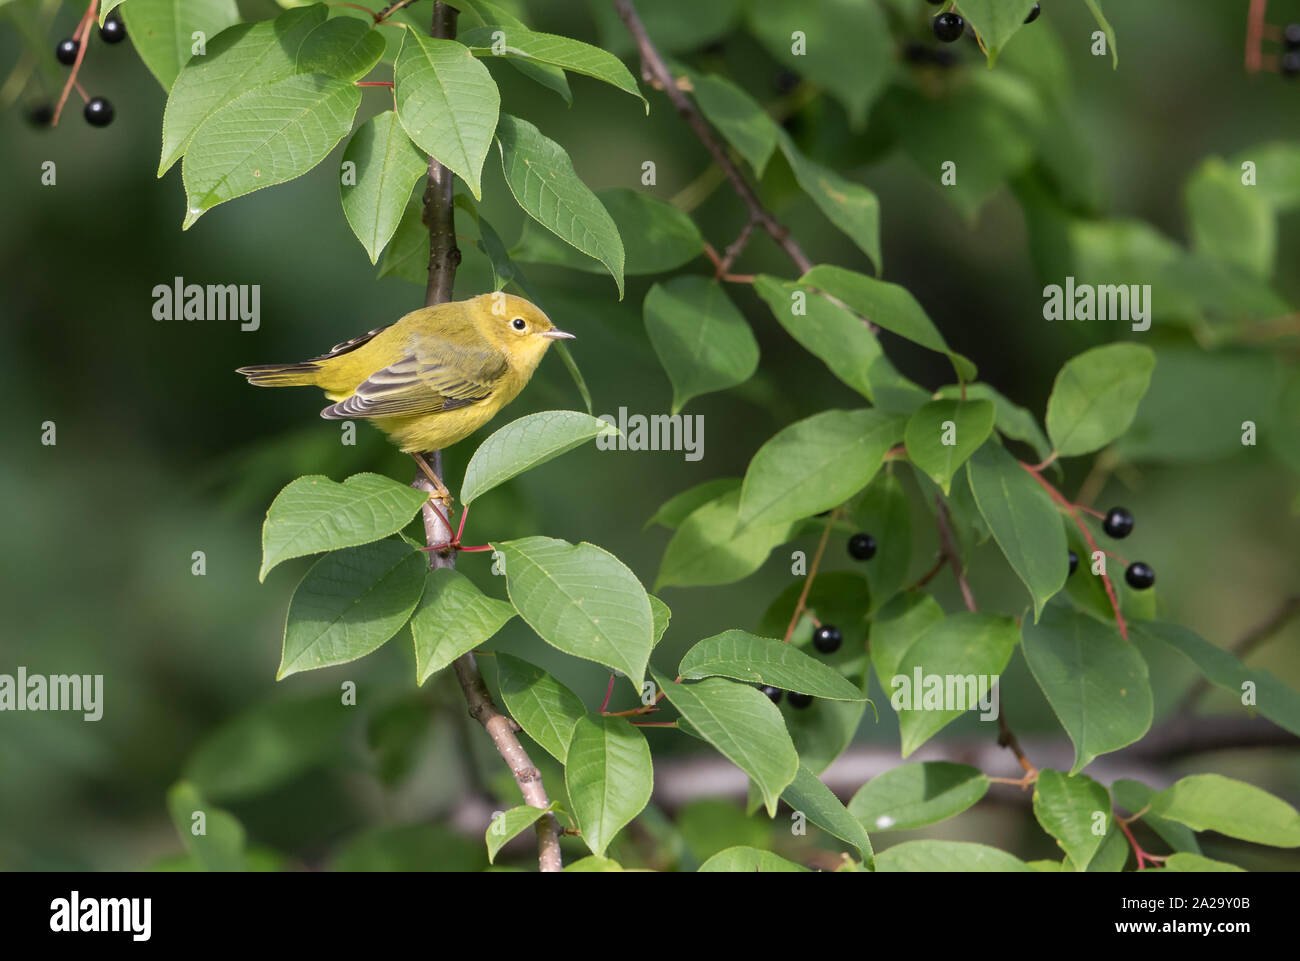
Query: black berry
[(862, 547), (827, 639), (1139, 576), (800, 700), (1290, 66), (1074, 563), (66, 52), (113, 30), (785, 81), (773, 693), (936, 2), (948, 27), (42, 115), (1033, 14), (98, 112), (1291, 36), (1118, 523)]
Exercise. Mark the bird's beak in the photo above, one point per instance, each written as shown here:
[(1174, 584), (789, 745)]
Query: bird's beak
[(559, 335)]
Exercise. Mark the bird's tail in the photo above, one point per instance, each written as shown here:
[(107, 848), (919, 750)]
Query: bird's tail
[(281, 375)]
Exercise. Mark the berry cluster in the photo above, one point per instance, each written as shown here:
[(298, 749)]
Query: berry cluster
[(98, 110), (1118, 523)]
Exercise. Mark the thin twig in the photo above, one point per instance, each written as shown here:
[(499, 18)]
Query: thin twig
[(950, 551), (1261, 632), (83, 41), (444, 258), (812, 573), (654, 69)]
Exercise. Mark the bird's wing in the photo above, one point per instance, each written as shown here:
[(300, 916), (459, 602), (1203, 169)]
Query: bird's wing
[(427, 382)]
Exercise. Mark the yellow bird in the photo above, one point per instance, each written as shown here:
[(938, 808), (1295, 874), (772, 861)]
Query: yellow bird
[(432, 378)]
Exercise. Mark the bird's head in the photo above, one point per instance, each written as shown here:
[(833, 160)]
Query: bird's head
[(518, 326)]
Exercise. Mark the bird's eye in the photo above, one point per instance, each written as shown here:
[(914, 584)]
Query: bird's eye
[(518, 323)]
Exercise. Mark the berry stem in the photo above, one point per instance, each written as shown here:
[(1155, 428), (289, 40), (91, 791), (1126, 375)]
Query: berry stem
[(609, 692), (1087, 536), (1142, 856), (374, 83), (950, 552), (1255, 34), (83, 27), (812, 573)]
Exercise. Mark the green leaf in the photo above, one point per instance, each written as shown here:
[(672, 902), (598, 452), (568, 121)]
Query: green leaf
[(889, 306), (582, 600), (609, 777), (958, 651), (896, 627), (542, 179), (1067, 809), (1212, 802), (342, 48), (743, 725), (842, 341), (313, 514), (837, 597), (708, 550), (929, 856), (1096, 682), (591, 864), (1095, 7), (1277, 172), (453, 617), (809, 795), (571, 365), (1023, 521), (387, 168), (1277, 702), (701, 338), (162, 30), (105, 8), (996, 21), (676, 509), (943, 434), (822, 731), (525, 443), (271, 134), (815, 464), (738, 117), (1134, 796), (267, 746), (543, 707), (763, 660), (913, 795), (661, 614), (505, 826), (749, 861), (1197, 864), (240, 59), (1011, 420), (851, 207), (407, 255), (1096, 395), (448, 103), (349, 604), (1229, 220), (220, 846), (1111, 857), (547, 48), (656, 236), (884, 511), (849, 46)]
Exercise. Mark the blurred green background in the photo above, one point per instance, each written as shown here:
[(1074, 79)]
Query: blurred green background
[(162, 450)]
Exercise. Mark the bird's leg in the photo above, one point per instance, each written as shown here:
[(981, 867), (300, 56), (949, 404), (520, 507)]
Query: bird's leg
[(439, 491)]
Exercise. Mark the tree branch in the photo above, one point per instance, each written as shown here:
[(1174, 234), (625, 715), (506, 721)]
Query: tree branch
[(444, 257), (655, 71)]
